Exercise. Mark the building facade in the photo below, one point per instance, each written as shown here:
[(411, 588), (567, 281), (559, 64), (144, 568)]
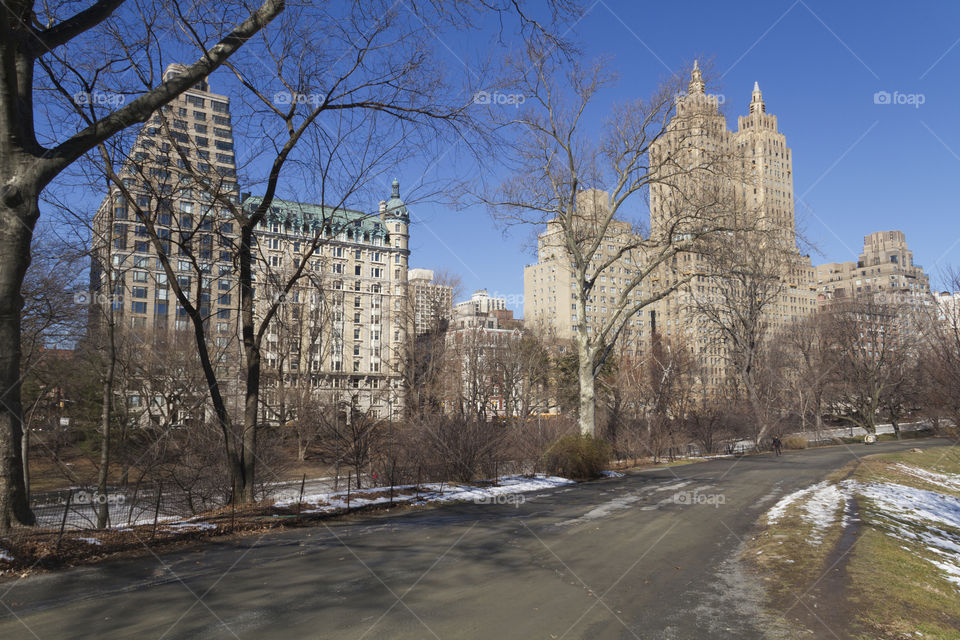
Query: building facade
[(886, 266), (431, 302), (338, 331), (761, 196)]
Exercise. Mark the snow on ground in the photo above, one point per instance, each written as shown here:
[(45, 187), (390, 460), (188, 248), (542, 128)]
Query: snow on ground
[(818, 506), (946, 480), (611, 474), (507, 491), (820, 510), (89, 540), (928, 518), (189, 526), (5, 556), (779, 510)]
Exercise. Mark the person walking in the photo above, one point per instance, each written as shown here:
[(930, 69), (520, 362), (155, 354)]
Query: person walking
[(778, 445)]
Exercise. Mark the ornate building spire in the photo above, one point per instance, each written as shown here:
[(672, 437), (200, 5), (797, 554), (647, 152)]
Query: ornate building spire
[(756, 101), (696, 79)]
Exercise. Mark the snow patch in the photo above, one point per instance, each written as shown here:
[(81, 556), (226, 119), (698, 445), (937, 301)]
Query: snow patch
[(190, 526), (505, 491), (611, 474), (925, 517), (5, 556), (778, 510), (946, 480), (820, 510), (89, 540)]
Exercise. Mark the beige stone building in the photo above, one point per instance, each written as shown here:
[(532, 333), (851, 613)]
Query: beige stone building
[(885, 266), (340, 331), (189, 142), (763, 194)]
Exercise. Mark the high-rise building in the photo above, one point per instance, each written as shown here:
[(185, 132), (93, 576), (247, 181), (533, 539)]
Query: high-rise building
[(431, 302), (181, 172), (761, 195), (885, 266), (342, 326)]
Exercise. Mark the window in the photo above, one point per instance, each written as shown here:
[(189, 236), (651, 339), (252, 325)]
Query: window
[(139, 276), (224, 146), (223, 314), (138, 307), (221, 133), (202, 141), (220, 107), (356, 270), (196, 101), (138, 292)]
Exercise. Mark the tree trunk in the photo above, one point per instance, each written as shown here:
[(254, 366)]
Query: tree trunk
[(896, 426), (18, 214), (25, 456), (587, 418), (103, 510)]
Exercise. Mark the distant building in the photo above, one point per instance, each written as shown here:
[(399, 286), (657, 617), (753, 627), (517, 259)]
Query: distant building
[(342, 326), (480, 302), (431, 302), (550, 301), (478, 348), (886, 266)]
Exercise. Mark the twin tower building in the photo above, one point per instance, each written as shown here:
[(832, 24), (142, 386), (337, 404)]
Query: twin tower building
[(759, 186)]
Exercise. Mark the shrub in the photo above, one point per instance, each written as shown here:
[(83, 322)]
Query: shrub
[(794, 442), (577, 457)]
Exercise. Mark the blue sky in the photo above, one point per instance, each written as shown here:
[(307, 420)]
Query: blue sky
[(858, 166)]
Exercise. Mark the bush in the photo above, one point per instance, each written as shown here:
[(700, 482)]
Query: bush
[(794, 442), (577, 457)]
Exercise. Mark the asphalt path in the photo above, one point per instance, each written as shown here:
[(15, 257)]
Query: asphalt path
[(651, 555)]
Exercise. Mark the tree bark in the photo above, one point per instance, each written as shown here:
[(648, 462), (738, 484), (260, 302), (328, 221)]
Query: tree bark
[(19, 211), (587, 416)]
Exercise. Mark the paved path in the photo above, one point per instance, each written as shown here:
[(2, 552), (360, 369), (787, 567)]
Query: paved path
[(635, 557)]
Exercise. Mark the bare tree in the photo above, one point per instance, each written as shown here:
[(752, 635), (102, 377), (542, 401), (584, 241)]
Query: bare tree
[(747, 273), (47, 40), (873, 336), (350, 436), (581, 189)]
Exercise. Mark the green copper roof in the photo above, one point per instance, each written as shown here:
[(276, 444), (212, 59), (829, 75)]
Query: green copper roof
[(308, 217)]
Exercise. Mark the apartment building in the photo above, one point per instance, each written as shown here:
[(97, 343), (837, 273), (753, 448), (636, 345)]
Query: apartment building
[(761, 196), (431, 302), (885, 266), (338, 329), (180, 174), (480, 302)]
